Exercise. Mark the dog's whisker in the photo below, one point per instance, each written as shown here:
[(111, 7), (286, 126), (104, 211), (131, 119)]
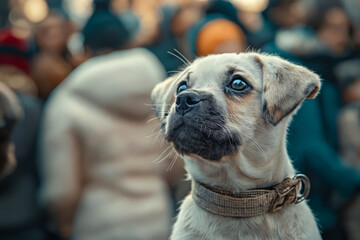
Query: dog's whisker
[(156, 126), (178, 52), (164, 158), (172, 163), (157, 137), (151, 135), (156, 160), (155, 134), (156, 105), (174, 71), (182, 60), (152, 119)]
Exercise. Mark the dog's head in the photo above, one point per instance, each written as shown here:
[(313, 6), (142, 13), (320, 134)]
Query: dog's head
[(222, 102)]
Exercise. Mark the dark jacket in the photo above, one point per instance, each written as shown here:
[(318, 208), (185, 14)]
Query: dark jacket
[(18, 207)]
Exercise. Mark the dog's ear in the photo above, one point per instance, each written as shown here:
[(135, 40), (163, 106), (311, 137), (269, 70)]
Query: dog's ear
[(285, 86), (163, 96)]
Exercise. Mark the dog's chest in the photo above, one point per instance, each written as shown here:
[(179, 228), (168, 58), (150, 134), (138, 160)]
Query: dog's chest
[(195, 223)]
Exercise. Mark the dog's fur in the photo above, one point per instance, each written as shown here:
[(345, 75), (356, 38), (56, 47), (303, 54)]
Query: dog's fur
[(237, 141)]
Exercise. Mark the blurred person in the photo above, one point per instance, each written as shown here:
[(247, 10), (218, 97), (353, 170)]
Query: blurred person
[(348, 75), (320, 38), (352, 7), (256, 27), (130, 19), (4, 13), (52, 62), (290, 20), (112, 192), (334, 31), (100, 181), (315, 151), (315, 156), (15, 60), (10, 113), (312, 144), (218, 31), (174, 22), (288, 13), (104, 31), (21, 217), (142, 20)]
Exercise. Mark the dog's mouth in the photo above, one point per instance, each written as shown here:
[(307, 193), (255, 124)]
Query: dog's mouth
[(205, 136)]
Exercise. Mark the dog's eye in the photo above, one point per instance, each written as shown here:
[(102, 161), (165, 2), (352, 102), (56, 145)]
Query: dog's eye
[(239, 84), (182, 87)]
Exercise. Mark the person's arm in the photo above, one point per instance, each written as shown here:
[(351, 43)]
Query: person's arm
[(61, 170)]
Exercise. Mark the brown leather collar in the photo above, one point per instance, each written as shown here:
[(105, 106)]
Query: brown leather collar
[(253, 202)]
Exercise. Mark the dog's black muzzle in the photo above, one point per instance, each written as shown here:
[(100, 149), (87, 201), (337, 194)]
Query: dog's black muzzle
[(198, 127)]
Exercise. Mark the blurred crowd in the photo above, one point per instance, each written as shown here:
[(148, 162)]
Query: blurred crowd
[(76, 116)]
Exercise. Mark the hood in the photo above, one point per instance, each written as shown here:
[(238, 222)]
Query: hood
[(120, 82)]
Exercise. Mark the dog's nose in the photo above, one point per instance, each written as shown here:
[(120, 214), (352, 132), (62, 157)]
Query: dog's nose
[(185, 102)]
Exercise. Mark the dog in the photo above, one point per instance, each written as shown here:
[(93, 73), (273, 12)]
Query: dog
[(227, 116)]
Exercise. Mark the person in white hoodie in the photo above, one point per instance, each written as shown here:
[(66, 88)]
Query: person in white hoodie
[(99, 179)]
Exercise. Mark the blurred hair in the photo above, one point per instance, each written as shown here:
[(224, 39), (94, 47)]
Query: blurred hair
[(216, 32), (104, 30)]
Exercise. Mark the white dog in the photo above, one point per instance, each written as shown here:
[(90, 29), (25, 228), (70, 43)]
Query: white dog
[(227, 115)]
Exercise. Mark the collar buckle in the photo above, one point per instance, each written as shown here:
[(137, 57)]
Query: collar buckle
[(286, 193)]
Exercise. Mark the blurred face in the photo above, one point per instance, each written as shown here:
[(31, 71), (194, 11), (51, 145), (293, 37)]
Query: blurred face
[(184, 19), (356, 38), (231, 47), (289, 14), (334, 31), (352, 92), (52, 34)]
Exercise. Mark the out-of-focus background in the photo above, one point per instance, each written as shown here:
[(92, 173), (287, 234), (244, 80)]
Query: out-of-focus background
[(76, 116)]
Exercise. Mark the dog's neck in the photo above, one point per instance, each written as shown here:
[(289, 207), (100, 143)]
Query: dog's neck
[(260, 163)]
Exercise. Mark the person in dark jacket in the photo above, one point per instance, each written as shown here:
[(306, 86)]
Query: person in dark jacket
[(21, 217), (10, 113)]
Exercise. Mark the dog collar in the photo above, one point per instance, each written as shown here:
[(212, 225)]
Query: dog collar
[(252, 202)]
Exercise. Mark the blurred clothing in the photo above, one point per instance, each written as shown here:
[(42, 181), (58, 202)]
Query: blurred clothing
[(15, 63), (349, 132), (314, 151), (48, 71), (300, 41), (257, 28), (96, 158), (348, 80), (131, 22), (14, 51), (166, 41), (19, 209), (352, 7), (52, 62), (10, 113), (20, 213)]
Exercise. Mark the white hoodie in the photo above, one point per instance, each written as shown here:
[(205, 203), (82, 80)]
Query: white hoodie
[(95, 150)]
